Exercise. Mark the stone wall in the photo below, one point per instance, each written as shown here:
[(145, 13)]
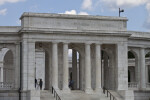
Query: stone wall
[(9, 95), (142, 95)]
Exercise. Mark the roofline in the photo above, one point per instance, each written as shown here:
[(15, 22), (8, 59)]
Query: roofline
[(67, 16)]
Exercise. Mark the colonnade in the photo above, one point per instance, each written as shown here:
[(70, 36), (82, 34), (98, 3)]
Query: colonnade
[(65, 67), (29, 66), (140, 69)]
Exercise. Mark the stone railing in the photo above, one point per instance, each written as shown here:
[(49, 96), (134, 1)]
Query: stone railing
[(132, 85), (147, 85), (6, 85)]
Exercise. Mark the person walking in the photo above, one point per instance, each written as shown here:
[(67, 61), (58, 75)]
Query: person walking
[(41, 83), (35, 82)]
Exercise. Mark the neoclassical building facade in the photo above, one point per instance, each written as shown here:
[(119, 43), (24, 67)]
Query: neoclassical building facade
[(105, 55)]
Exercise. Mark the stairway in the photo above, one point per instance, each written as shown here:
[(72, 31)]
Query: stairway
[(80, 95), (46, 95), (77, 95)]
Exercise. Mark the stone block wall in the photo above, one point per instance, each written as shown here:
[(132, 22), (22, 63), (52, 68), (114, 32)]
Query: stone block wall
[(142, 95), (9, 95)]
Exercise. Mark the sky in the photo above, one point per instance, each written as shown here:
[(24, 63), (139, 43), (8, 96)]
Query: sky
[(137, 11)]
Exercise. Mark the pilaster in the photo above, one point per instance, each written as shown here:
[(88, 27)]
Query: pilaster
[(122, 66)]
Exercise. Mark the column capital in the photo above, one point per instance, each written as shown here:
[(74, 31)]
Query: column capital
[(31, 41), (142, 47), (17, 43), (65, 42), (98, 43), (55, 42), (88, 43)]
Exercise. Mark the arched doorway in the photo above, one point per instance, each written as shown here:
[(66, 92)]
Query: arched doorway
[(8, 67), (74, 69), (42, 64), (131, 67), (7, 72), (108, 59), (105, 69), (147, 64)]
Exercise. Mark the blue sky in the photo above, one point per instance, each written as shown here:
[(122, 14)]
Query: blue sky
[(137, 11)]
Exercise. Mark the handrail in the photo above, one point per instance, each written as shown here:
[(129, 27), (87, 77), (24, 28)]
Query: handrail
[(109, 94), (55, 94)]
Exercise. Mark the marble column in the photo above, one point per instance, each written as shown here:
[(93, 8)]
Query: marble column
[(142, 66), (55, 64), (74, 68), (65, 68), (2, 74), (98, 67), (88, 88)]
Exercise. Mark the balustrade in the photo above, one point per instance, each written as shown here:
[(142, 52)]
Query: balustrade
[(147, 85), (6, 85), (132, 84)]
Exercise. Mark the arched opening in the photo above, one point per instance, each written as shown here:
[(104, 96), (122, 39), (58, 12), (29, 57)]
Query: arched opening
[(108, 59), (8, 64), (105, 69), (42, 65), (47, 69), (74, 70), (131, 66), (147, 59)]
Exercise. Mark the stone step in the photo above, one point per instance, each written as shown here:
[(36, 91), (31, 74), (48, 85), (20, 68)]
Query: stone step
[(80, 95)]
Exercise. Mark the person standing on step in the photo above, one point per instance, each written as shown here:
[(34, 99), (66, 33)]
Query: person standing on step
[(41, 83)]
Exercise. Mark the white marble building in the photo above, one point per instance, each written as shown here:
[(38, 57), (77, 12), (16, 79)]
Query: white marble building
[(110, 56)]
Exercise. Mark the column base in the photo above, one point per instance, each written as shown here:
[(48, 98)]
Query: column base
[(89, 91), (127, 94), (66, 90), (33, 95), (56, 88), (99, 90)]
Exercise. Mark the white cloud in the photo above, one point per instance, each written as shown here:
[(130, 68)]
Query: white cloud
[(18, 22), (147, 21), (3, 11), (148, 10), (87, 4), (9, 1), (83, 13), (74, 12), (113, 4)]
